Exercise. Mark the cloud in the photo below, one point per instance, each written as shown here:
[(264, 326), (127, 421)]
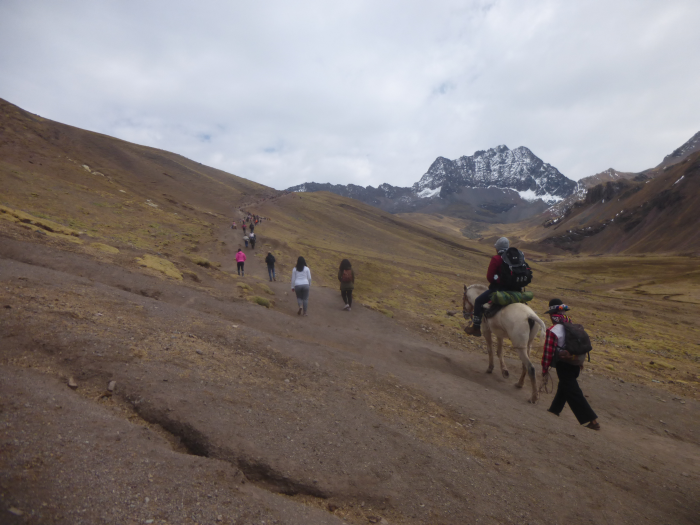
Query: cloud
[(364, 93)]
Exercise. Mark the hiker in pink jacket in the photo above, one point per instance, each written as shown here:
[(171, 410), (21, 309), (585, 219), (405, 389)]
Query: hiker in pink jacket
[(240, 261)]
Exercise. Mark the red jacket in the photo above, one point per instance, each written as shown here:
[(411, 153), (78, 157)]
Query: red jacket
[(492, 272)]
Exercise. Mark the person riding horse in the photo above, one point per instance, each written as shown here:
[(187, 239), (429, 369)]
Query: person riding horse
[(493, 277)]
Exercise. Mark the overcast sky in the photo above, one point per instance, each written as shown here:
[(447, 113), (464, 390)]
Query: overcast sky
[(363, 92)]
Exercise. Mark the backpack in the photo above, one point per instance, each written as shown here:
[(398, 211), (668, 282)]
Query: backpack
[(347, 276), (577, 343), (515, 272)]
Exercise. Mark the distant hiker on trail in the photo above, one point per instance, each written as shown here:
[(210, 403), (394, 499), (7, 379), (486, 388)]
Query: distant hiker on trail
[(301, 282), (568, 368), (240, 261), (233, 226), (252, 227), (244, 226), (501, 277), (245, 240), (252, 238), (270, 260), (346, 276)]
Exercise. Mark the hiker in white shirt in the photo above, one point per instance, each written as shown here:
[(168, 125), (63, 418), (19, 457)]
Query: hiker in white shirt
[(301, 282)]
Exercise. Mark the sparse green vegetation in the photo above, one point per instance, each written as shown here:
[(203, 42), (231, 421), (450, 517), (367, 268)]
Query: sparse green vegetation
[(260, 300)]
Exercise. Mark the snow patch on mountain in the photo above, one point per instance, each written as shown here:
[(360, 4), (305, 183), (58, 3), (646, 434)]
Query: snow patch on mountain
[(531, 196), (428, 192)]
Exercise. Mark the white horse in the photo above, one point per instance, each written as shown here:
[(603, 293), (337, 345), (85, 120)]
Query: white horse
[(517, 322)]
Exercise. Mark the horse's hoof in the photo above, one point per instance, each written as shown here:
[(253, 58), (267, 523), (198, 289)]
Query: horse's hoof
[(533, 400), (489, 370), (505, 373), (518, 385)]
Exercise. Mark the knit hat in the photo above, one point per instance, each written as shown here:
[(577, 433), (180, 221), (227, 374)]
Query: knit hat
[(556, 306), (502, 244)]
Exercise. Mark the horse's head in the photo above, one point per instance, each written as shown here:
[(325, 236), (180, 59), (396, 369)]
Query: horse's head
[(470, 294), (467, 307)]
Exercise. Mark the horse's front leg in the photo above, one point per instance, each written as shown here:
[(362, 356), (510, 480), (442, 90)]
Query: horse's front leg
[(489, 347), (527, 365), (501, 361)]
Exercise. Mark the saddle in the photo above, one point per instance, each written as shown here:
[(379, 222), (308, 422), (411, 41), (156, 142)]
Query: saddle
[(493, 309)]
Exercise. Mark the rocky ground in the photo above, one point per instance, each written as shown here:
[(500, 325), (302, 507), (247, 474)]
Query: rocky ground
[(228, 412)]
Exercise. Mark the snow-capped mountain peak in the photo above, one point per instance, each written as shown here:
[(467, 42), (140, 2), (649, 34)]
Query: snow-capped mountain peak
[(518, 169)]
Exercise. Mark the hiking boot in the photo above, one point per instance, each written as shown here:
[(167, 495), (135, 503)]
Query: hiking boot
[(347, 307), (593, 426), (474, 330)]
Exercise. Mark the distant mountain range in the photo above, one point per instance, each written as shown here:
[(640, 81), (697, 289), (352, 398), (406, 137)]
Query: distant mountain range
[(496, 185)]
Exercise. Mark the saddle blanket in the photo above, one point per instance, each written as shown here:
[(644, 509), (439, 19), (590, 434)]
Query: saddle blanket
[(506, 298)]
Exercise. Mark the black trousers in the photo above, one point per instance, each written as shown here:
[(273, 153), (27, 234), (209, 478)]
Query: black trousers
[(479, 304), (568, 391), (347, 296)]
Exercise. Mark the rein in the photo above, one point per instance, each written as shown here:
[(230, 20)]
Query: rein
[(547, 385)]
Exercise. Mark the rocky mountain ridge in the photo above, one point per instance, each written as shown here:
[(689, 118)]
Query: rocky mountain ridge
[(483, 186), (691, 146)]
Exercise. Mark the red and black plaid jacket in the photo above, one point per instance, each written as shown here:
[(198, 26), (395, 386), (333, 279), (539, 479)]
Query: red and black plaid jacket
[(551, 342)]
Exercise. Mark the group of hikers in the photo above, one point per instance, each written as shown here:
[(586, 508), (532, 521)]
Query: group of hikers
[(508, 272), (301, 279), (301, 283), (301, 274)]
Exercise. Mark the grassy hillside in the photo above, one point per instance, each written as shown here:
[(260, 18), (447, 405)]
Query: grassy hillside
[(93, 194)]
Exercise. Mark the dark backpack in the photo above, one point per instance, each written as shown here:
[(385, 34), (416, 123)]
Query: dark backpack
[(577, 341), (347, 276), (515, 272)]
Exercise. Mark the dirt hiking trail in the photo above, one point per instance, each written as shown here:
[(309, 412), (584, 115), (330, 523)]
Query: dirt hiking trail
[(228, 412)]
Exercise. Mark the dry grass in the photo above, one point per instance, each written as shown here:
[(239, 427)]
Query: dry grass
[(639, 309)]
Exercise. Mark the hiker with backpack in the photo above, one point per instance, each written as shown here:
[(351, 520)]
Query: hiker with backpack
[(252, 238), (507, 272), (240, 261), (245, 240), (270, 260), (565, 347), (346, 276), (301, 283)]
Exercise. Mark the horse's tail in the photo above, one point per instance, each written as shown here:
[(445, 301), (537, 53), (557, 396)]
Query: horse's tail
[(536, 325)]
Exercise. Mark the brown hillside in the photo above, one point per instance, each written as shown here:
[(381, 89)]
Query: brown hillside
[(93, 182), (625, 216), (230, 408)]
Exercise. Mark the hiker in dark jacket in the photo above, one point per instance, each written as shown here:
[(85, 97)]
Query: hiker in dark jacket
[(252, 238), (270, 260), (568, 368), (492, 276), (346, 276)]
